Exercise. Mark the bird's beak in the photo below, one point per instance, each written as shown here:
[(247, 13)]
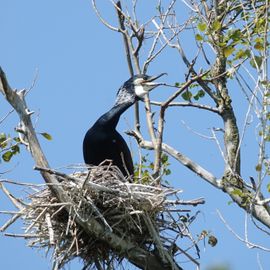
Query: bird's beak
[(153, 78), (145, 86), (150, 81)]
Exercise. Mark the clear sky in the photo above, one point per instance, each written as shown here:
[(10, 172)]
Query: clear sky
[(80, 65)]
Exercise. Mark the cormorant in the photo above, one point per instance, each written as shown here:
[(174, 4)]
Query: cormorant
[(102, 141)]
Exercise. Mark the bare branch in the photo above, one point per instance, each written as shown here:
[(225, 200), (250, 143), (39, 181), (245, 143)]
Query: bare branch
[(6, 116), (163, 107), (126, 38), (187, 162), (263, 202), (10, 222), (129, 49), (16, 202), (194, 202), (151, 55), (188, 104), (102, 20)]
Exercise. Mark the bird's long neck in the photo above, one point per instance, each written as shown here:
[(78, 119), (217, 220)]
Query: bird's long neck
[(111, 117)]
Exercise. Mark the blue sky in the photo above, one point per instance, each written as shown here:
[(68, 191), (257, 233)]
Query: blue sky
[(80, 65)]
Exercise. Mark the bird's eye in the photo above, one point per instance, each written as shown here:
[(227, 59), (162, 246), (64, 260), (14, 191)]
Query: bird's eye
[(138, 81)]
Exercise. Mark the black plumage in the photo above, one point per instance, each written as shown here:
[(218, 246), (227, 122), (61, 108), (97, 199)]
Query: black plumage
[(102, 141)]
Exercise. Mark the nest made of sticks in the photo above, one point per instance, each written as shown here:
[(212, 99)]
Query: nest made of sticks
[(138, 212)]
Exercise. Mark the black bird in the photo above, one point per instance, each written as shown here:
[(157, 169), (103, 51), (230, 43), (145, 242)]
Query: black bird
[(102, 141)]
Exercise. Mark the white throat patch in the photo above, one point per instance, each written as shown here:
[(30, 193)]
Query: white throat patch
[(141, 91)]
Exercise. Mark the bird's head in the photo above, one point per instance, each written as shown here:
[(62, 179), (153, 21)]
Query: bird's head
[(137, 87)]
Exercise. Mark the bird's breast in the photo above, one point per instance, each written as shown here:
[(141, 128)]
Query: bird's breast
[(107, 144)]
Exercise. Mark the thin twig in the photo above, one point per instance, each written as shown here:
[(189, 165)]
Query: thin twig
[(50, 228), (16, 202), (249, 244), (103, 20), (10, 222)]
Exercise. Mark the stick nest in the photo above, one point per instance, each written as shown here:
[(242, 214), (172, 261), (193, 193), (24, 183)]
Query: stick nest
[(135, 211)]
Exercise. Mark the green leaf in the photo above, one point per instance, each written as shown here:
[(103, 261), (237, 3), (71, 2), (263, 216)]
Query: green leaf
[(164, 158), (167, 171), (15, 149), (259, 46), (202, 26), (222, 44), (212, 240), (216, 25), (259, 39), (194, 85), (17, 139), (3, 145), (247, 53), (256, 61), (199, 37), (235, 35), (199, 95), (258, 167), (46, 136), (183, 219), (237, 192), (242, 54), (7, 156), (268, 187), (187, 95), (228, 51), (3, 137), (259, 25), (267, 138), (265, 83)]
